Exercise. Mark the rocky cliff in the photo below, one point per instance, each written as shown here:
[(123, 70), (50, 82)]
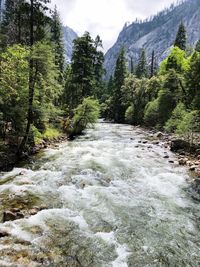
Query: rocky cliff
[(157, 33), (68, 35)]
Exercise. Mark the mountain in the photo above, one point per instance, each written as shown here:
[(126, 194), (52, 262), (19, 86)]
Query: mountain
[(157, 33), (68, 35)]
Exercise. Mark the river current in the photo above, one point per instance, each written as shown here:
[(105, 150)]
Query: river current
[(106, 199)]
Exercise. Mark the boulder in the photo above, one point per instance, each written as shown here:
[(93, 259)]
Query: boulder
[(179, 144), (9, 216), (12, 216), (166, 157), (3, 234), (155, 142), (192, 168), (182, 161), (159, 135)]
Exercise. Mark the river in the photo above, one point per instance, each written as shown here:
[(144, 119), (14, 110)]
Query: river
[(105, 199)]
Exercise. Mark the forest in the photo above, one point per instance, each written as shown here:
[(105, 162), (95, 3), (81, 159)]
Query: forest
[(88, 176), (42, 97)]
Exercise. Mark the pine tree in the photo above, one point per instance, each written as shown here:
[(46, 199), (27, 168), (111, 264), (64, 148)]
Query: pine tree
[(132, 66), (197, 47), (15, 26), (141, 69), (1, 8), (152, 64), (57, 39), (82, 69), (180, 40), (12, 22), (99, 70), (86, 69), (119, 78)]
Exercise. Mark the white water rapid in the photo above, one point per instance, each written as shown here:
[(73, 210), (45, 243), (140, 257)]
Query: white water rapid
[(105, 199)]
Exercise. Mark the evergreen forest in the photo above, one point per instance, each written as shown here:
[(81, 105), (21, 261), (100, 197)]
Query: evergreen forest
[(42, 97)]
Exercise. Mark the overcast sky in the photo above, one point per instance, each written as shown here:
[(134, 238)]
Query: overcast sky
[(105, 17)]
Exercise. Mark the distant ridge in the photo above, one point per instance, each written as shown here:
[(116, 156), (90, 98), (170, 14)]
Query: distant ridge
[(156, 33), (68, 35)]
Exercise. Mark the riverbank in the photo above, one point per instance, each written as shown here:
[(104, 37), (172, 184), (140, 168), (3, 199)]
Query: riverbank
[(185, 154), (110, 197), (8, 153)]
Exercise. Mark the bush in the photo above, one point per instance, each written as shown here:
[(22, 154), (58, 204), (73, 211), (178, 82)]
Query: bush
[(129, 115), (86, 114), (177, 117), (51, 133), (189, 125), (151, 115)]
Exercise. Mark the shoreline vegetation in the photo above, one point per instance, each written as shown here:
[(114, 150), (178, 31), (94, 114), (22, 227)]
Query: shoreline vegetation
[(186, 155), (44, 100)]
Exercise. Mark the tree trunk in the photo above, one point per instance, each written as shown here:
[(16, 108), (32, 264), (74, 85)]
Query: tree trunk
[(152, 65), (31, 85)]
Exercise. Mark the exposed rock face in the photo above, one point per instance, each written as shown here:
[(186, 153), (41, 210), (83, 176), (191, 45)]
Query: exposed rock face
[(157, 34), (69, 36)]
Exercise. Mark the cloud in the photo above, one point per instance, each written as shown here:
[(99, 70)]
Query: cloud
[(105, 17)]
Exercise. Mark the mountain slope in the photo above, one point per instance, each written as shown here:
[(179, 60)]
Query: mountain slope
[(157, 34), (68, 35)]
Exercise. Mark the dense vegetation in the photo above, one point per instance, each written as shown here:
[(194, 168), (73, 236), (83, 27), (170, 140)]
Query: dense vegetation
[(41, 97), (166, 98)]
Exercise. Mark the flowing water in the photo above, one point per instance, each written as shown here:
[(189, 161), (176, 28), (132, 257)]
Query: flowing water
[(105, 199)]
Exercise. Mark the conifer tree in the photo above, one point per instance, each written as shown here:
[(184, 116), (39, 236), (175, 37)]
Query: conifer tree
[(86, 69), (141, 69), (57, 39), (152, 64), (119, 78), (180, 40), (197, 47), (12, 22), (132, 67)]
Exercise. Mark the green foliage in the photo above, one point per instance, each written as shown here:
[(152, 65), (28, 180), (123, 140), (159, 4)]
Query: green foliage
[(197, 47), (85, 77), (176, 118), (180, 40), (37, 135), (151, 114), (154, 85), (119, 78), (86, 114), (14, 86), (14, 68), (129, 115), (48, 134), (189, 125), (51, 133), (176, 60), (193, 81), (57, 40), (15, 28), (141, 69)]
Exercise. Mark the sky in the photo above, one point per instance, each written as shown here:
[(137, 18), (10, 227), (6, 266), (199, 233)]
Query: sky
[(105, 17)]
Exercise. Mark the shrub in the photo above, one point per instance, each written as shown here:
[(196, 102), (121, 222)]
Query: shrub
[(177, 117), (86, 114), (129, 115), (189, 125), (151, 115)]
